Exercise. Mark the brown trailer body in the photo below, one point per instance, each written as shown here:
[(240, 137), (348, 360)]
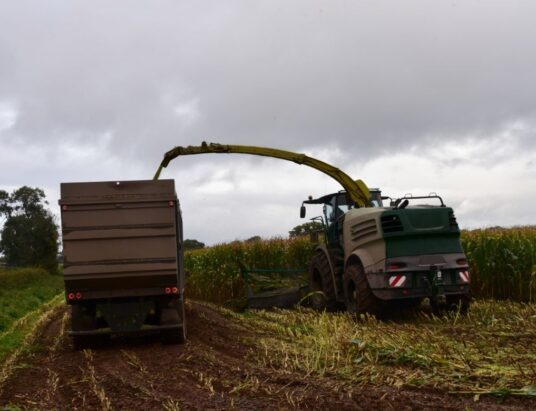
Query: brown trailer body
[(123, 260)]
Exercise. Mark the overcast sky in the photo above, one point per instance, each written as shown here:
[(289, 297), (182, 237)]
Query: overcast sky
[(411, 96)]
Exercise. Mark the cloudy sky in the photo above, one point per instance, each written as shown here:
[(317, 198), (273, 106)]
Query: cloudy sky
[(411, 96)]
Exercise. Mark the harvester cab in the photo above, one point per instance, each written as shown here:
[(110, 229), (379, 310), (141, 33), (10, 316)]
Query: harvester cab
[(334, 207)]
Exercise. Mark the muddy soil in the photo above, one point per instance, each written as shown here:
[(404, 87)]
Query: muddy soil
[(214, 370)]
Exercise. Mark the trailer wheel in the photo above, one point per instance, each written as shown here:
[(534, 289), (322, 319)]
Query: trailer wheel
[(322, 287), (83, 318), (357, 294), (174, 316)]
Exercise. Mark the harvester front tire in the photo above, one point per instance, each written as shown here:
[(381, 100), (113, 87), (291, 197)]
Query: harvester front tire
[(323, 296), (358, 296), (459, 303)]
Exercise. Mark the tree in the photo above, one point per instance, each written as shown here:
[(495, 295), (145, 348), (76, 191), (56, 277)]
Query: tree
[(30, 235), (254, 239), (190, 244), (306, 228)]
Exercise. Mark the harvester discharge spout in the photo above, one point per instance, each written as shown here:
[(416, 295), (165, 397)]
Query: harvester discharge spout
[(356, 189)]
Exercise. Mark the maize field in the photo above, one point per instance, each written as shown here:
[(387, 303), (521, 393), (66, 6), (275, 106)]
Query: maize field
[(502, 263)]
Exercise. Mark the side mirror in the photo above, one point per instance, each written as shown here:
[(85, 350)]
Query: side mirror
[(302, 211)]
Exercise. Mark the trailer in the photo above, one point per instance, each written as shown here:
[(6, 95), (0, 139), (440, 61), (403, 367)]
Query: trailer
[(123, 259)]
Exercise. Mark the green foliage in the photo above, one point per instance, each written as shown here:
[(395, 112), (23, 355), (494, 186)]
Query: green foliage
[(190, 244), (214, 273), (23, 290), (502, 262), (305, 229), (29, 236)]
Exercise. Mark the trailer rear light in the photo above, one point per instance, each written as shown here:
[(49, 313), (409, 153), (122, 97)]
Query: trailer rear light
[(168, 290), (171, 203), (395, 266), (461, 261), (71, 296), (64, 208), (174, 290), (78, 296)]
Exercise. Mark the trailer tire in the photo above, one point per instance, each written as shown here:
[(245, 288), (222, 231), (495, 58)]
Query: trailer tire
[(83, 318), (358, 296), (174, 316), (323, 296)]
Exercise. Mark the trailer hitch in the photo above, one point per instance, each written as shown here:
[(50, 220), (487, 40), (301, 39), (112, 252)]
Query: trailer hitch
[(434, 280)]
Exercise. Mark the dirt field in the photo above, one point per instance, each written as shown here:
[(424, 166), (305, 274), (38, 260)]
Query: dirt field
[(214, 370)]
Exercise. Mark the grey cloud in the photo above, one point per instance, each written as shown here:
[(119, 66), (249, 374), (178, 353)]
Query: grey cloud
[(363, 76), (368, 78)]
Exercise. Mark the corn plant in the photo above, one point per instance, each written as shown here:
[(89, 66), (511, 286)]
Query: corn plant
[(215, 273), (502, 262)]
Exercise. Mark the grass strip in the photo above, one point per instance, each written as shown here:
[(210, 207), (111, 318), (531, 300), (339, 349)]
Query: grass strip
[(23, 290), (20, 338)]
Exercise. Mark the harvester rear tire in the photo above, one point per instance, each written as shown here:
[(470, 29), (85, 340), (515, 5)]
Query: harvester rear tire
[(323, 296), (358, 296)]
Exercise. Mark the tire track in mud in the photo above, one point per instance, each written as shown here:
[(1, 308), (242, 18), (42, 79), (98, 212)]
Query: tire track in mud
[(214, 370)]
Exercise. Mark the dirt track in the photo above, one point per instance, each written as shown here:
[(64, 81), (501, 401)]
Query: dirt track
[(214, 370)]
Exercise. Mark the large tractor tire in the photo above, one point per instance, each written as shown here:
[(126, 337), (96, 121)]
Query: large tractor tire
[(323, 290), (358, 296)]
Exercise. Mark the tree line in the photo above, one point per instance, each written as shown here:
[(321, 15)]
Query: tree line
[(29, 236)]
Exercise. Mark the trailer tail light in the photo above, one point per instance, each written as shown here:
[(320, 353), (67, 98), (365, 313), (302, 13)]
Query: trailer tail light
[(71, 296), (168, 290), (395, 266), (464, 276), (461, 261), (64, 208), (78, 296), (171, 203), (174, 290)]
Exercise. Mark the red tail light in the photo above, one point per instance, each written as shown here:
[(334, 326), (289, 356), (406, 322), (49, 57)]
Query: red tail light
[(174, 290), (461, 261), (395, 266), (168, 290), (64, 208), (171, 203), (78, 296), (70, 296)]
